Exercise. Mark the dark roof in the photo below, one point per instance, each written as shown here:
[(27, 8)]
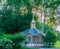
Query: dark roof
[(33, 31), (26, 31)]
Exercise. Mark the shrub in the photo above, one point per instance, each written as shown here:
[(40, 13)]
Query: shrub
[(10, 41), (50, 38), (6, 43)]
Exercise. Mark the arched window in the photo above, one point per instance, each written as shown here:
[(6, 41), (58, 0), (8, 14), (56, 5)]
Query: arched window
[(29, 38)]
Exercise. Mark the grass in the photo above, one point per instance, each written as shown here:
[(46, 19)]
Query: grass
[(57, 45), (29, 48)]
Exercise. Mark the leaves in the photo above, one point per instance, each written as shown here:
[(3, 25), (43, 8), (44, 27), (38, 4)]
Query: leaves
[(51, 37), (11, 41)]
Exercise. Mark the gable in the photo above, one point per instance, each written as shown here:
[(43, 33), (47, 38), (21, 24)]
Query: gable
[(33, 31), (28, 34)]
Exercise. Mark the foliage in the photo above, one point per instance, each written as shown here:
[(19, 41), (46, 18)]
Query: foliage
[(57, 44), (29, 48), (19, 4), (45, 27), (51, 37), (58, 36), (15, 23), (11, 41), (2, 32), (12, 20), (17, 39), (6, 43), (38, 25)]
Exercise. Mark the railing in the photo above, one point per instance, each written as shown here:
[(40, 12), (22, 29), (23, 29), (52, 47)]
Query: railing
[(36, 44), (33, 44)]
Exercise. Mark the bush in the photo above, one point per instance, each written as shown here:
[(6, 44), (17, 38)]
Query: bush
[(17, 39), (2, 33), (10, 41), (6, 43), (50, 38)]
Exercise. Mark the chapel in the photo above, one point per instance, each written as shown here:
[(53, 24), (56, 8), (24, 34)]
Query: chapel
[(33, 35)]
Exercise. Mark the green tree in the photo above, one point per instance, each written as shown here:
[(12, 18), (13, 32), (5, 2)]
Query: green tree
[(50, 38), (14, 12), (12, 19)]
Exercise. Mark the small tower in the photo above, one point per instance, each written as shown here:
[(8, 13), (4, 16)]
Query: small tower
[(33, 23)]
